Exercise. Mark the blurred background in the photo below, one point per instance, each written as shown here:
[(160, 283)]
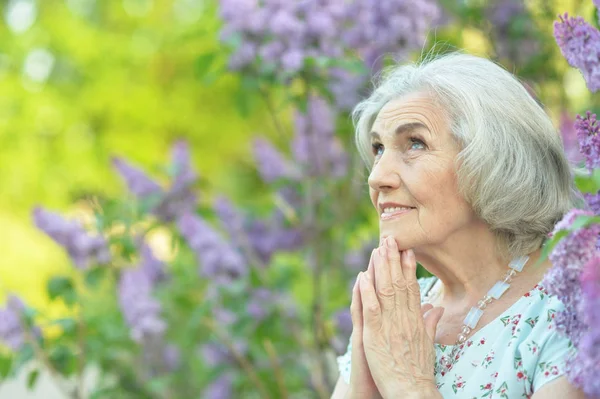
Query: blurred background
[(83, 81)]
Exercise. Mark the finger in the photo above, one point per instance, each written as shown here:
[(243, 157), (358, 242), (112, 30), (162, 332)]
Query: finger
[(371, 269), (383, 281), (426, 308), (396, 273), (409, 270), (371, 309), (356, 308), (431, 320)]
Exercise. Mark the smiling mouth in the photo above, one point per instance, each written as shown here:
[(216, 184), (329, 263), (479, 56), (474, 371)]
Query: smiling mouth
[(392, 213)]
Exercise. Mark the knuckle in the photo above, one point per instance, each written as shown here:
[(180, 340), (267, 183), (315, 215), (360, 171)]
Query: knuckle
[(385, 292), (399, 283), (372, 309)]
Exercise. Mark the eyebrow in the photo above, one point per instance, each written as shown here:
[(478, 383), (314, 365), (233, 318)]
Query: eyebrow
[(404, 128)]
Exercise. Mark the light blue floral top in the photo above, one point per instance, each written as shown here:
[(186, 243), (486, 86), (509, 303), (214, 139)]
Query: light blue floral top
[(510, 357)]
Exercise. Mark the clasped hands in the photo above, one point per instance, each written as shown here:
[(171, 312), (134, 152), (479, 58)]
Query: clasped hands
[(392, 338)]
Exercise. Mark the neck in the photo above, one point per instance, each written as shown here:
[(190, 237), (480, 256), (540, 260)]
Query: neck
[(469, 267)]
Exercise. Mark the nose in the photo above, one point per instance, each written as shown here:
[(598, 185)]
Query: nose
[(384, 176)]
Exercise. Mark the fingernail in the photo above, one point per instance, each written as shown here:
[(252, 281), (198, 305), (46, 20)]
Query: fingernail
[(382, 251)]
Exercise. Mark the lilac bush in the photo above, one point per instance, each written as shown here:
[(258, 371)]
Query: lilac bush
[(575, 275), (579, 42)]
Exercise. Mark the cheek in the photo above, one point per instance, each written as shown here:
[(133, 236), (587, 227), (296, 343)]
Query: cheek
[(373, 195)]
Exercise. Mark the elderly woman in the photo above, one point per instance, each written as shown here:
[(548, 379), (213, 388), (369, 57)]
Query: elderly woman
[(468, 177)]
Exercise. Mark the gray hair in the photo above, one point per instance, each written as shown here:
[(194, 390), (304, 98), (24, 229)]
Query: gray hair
[(511, 169)]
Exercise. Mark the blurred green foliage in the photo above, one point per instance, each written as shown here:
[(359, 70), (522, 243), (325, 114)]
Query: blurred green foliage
[(126, 77)]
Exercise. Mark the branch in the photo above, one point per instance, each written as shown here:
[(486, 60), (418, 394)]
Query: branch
[(243, 362)]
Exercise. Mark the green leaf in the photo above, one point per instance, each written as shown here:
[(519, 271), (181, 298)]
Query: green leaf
[(549, 246), (62, 287), (68, 325), (32, 378), (203, 64), (584, 221), (589, 184), (94, 276), (5, 366)]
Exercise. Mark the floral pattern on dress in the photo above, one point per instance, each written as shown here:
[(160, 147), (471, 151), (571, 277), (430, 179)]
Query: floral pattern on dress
[(511, 357)]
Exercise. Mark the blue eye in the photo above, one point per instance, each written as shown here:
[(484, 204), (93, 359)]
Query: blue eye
[(377, 149), (416, 144)]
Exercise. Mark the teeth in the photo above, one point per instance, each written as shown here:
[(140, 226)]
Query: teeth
[(394, 209)]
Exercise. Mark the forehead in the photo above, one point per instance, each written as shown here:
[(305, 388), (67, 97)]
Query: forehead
[(417, 107)]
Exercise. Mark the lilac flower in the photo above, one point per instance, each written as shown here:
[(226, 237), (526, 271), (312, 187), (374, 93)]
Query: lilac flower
[(272, 165), (378, 27), (140, 309), (181, 196), (569, 137), (285, 34), (215, 354), (580, 45), (171, 357), (314, 146), (588, 133), (260, 303), (262, 236), (221, 388), (346, 87), (151, 266), (583, 369), (83, 249), (513, 30), (268, 236), (11, 330), (167, 205), (140, 184), (343, 321), (215, 254), (568, 259)]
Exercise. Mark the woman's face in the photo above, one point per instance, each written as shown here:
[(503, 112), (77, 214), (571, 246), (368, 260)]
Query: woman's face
[(413, 181)]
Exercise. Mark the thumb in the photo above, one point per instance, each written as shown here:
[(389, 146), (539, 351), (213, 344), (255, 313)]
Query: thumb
[(431, 319)]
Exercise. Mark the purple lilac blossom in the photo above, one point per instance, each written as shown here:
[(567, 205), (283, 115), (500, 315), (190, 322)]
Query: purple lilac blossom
[(584, 367), (343, 321), (11, 330), (83, 249), (568, 259), (152, 267), (377, 27), (513, 30), (216, 354), (261, 303), (569, 137), (220, 388), (181, 196), (167, 205), (588, 134), (216, 256), (263, 236), (171, 357), (315, 146), (579, 43), (272, 165), (283, 35), (140, 309), (138, 182)]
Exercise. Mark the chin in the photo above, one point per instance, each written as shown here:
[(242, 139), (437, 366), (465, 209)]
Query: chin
[(403, 239)]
